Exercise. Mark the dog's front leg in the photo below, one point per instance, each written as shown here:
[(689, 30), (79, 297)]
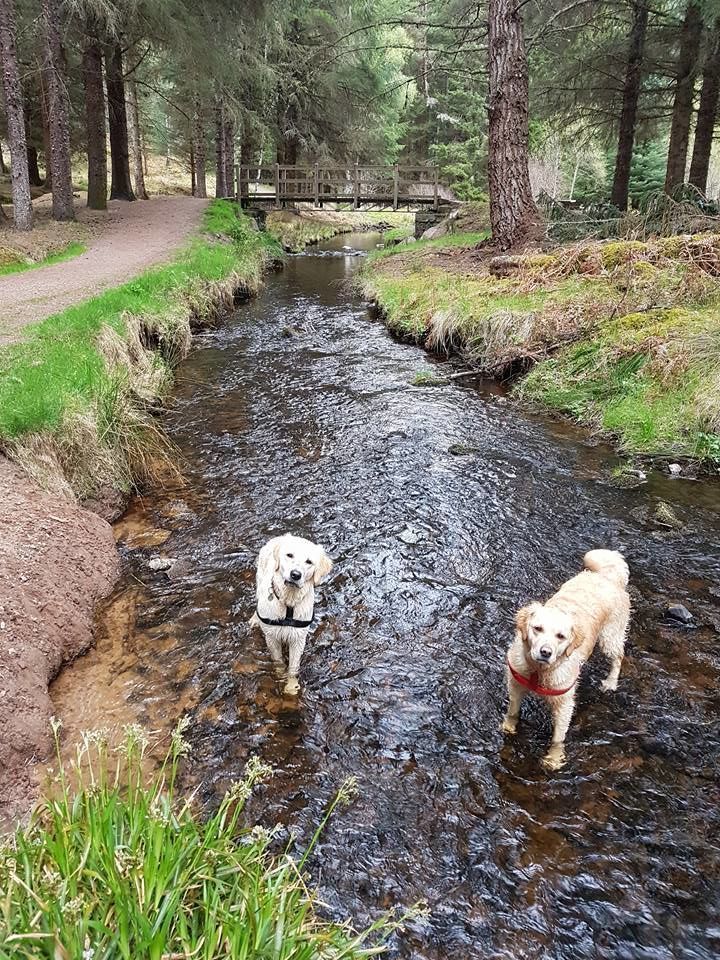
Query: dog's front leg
[(562, 708), (295, 652), (516, 694), (274, 645)]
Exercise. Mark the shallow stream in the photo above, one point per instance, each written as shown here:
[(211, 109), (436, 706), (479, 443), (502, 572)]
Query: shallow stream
[(445, 508)]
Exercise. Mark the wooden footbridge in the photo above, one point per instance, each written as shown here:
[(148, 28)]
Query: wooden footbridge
[(385, 187)]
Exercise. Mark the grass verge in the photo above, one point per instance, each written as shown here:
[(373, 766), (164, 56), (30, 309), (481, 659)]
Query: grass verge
[(75, 393), (119, 867), (72, 250), (622, 336)]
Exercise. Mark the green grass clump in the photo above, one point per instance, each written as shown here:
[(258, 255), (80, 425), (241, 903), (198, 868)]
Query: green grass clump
[(71, 250), (57, 368), (119, 867), (426, 378)]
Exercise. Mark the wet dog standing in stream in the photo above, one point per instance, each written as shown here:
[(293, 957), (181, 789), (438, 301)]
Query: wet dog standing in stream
[(288, 570), (554, 640)]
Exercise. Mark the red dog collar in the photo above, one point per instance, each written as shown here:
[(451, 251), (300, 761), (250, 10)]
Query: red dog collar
[(531, 683)]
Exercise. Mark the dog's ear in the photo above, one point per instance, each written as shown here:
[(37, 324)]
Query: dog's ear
[(268, 561), (323, 566), (577, 638), (522, 618)]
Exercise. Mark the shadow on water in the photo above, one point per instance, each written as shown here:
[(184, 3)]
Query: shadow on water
[(321, 433)]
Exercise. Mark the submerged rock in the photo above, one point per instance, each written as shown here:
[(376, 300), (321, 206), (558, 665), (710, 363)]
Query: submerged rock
[(678, 613), (160, 563), (664, 514)]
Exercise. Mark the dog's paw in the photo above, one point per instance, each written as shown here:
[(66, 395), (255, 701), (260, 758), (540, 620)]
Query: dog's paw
[(292, 687), (555, 758), (509, 726), (607, 686)]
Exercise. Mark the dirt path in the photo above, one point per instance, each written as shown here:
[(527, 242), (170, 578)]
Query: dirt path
[(134, 237)]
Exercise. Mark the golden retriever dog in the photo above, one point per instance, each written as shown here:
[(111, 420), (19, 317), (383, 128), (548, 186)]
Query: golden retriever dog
[(288, 570), (554, 639)]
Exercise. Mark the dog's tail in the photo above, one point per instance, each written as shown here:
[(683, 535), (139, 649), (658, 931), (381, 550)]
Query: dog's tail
[(609, 564)]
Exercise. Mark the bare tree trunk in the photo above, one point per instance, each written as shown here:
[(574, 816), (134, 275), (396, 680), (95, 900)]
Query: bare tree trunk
[(59, 114), (95, 123), (707, 114), (628, 116), (198, 140), (45, 121), (120, 186), (33, 170), (22, 201), (687, 67), (220, 164), (3, 167), (229, 134), (513, 214), (136, 142)]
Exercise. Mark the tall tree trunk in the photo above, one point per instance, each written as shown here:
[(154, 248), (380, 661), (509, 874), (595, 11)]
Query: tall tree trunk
[(45, 121), (707, 114), (33, 170), (229, 132), (59, 114), (198, 140), (136, 142), (631, 96), (22, 202), (120, 186), (687, 67), (220, 165), (513, 214), (95, 123), (3, 168)]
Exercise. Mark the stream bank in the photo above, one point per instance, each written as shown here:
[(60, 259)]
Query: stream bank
[(445, 509), (620, 336), (78, 431)]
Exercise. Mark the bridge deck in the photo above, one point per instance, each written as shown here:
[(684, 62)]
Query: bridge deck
[(317, 183)]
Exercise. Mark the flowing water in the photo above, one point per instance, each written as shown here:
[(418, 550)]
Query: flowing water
[(445, 508)]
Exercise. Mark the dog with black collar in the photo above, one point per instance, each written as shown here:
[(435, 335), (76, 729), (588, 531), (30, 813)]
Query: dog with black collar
[(288, 570)]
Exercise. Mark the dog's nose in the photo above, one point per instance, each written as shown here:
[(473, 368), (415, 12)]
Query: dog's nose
[(295, 576), (545, 653)]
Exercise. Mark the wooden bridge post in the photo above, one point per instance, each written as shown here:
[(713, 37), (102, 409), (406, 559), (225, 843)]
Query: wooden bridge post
[(396, 186), (435, 189), (277, 184), (317, 184), (356, 188)]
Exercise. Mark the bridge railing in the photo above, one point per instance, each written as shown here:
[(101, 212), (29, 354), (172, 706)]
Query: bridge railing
[(317, 183)]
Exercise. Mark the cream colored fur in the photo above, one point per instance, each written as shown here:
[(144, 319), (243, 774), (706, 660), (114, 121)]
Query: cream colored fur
[(556, 638), (278, 562)]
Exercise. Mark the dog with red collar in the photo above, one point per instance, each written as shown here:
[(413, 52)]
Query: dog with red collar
[(553, 640)]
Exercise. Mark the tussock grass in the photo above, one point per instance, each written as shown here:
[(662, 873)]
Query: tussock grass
[(20, 266), (115, 865), (620, 335), (84, 378), (296, 230)]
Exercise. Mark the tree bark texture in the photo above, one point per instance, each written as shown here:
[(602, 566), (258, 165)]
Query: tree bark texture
[(22, 202), (707, 113), (220, 160), (229, 132), (95, 124), (198, 141), (687, 68), (136, 141), (513, 214), (631, 97), (58, 114), (120, 186)]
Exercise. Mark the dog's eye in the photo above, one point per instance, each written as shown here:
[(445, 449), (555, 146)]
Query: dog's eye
[(309, 562), (289, 556), (538, 629), (560, 636)]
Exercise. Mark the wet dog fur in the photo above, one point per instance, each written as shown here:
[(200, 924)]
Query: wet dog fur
[(288, 570), (555, 639)]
